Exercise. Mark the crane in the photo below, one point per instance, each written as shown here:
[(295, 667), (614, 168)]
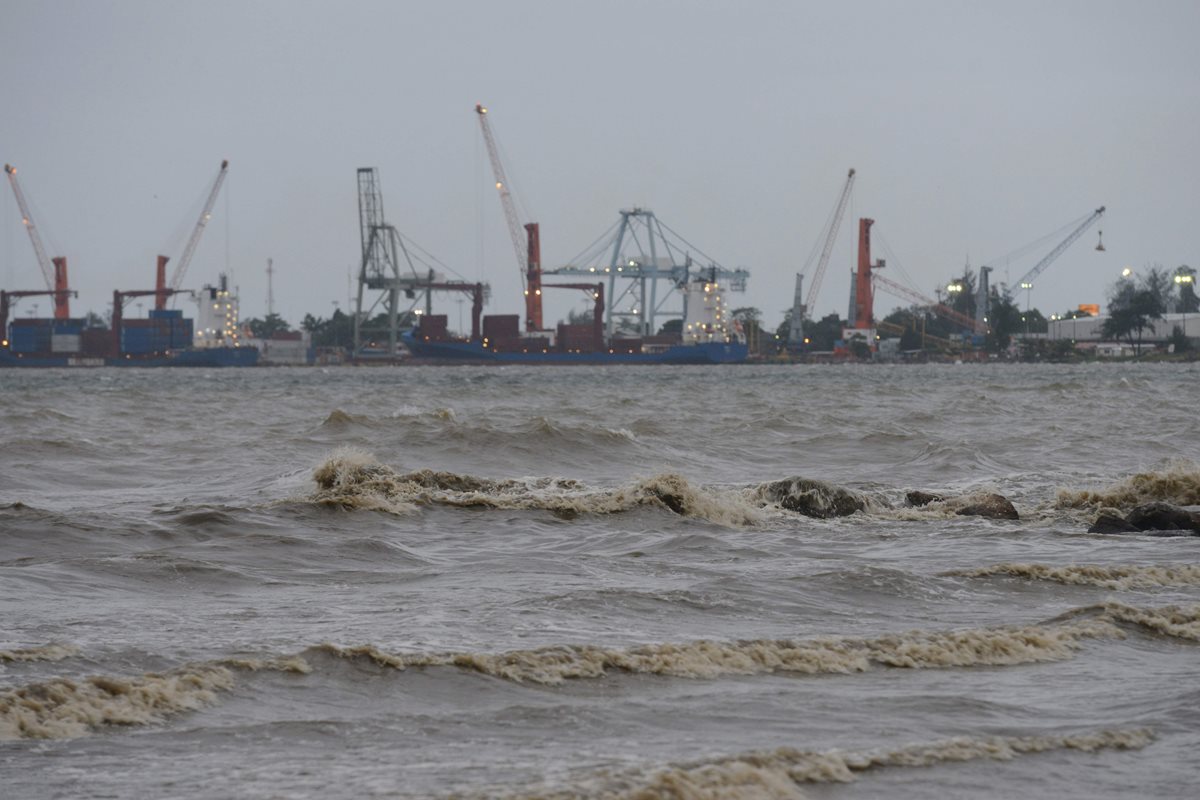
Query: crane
[(529, 263), (900, 290), (54, 270), (800, 307), (1026, 281), (162, 289)]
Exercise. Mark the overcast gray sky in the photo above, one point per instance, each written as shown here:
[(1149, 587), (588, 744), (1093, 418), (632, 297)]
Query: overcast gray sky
[(975, 128)]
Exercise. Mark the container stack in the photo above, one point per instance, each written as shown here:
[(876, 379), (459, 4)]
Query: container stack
[(502, 332), (165, 330)]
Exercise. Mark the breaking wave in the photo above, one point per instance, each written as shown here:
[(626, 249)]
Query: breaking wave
[(65, 708), (49, 652), (759, 775), (710, 659), (1179, 484), (353, 479), (1116, 577)]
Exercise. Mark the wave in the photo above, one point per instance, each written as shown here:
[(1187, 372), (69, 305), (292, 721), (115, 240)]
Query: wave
[(709, 659), (1178, 483), (63, 708), (1115, 577), (353, 479), (779, 773), (49, 652)]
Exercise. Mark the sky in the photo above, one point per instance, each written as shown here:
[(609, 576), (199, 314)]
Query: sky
[(975, 129)]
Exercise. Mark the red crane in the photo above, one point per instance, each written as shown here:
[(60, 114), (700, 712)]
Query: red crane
[(162, 289), (864, 292), (54, 270), (528, 263)]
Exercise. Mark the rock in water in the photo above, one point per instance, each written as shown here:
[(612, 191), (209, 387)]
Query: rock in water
[(1159, 516), (916, 499), (1111, 523), (814, 498), (992, 506)]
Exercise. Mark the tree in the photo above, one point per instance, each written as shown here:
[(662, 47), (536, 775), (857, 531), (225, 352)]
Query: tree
[(962, 298), (672, 327), (266, 328), (1131, 307), (1004, 319), (94, 320), (1185, 279)]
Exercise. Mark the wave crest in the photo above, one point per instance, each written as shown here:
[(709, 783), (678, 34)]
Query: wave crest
[(757, 775), (353, 479), (1114, 577), (49, 652), (1178, 484)]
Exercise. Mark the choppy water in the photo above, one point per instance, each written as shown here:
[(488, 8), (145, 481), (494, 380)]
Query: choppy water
[(586, 582)]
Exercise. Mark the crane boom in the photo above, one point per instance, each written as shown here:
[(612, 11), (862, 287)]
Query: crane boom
[(39, 249), (510, 210), (1028, 277), (814, 285), (54, 270), (194, 239), (920, 299)]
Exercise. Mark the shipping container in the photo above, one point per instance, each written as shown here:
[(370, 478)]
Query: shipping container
[(501, 326), (66, 343)]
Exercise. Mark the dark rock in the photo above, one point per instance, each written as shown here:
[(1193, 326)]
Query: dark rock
[(1161, 516), (992, 506), (1111, 523), (814, 498), (917, 499)]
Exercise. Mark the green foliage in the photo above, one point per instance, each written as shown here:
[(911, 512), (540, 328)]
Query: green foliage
[(266, 328), (1132, 305)]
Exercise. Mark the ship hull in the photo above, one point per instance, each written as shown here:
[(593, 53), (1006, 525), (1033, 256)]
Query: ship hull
[(474, 352), (200, 357)]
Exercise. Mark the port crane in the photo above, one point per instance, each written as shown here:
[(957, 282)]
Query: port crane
[(529, 262), (162, 288), (1026, 281), (54, 270), (801, 303)]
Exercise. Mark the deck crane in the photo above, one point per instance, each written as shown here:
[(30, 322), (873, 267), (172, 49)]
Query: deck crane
[(802, 303), (529, 262), (162, 288), (1026, 281), (54, 270)]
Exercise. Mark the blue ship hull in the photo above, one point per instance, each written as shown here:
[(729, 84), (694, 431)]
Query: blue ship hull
[(475, 352), (201, 357)]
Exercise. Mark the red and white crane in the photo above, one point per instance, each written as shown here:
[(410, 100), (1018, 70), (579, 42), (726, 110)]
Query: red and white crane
[(54, 270), (528, 263), (161, 288)]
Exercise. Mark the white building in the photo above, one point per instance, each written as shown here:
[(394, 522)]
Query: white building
[(217, 319)]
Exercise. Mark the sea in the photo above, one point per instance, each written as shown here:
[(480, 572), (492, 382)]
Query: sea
[(596, 582)]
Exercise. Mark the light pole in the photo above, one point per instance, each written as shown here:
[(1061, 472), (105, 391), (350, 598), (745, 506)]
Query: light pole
[(1184, 280), (1028, 287)]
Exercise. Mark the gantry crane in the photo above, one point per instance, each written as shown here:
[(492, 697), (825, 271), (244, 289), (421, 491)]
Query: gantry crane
[(802, 303), (162, 288), (54, 270), (529, 263)]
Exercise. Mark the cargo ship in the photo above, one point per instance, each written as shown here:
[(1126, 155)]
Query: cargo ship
[(706, 336), (164, 339)]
